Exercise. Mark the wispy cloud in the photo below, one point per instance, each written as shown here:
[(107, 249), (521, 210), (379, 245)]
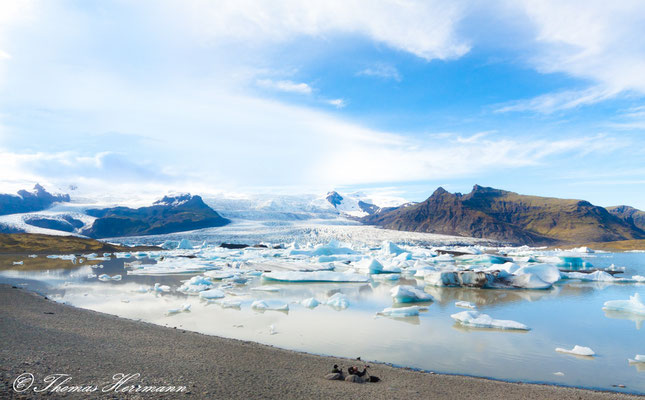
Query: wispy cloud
[(383, 71), (285, 86), (565, 100), (338, 103)]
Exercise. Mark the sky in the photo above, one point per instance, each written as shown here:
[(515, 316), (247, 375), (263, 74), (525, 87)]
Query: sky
[(390, 97)]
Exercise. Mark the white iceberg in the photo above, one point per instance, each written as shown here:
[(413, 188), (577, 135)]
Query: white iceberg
[(160, 288), (106, 278), (596, 276), (409, 294), (228, 303), (465, 304), (338, 300), (310, 302), (634, 305), (577, 351), (183, 308), (211, 294), (316, 276), (546, 272), (529, 281), (389, 248), (18, 262), (262, 305), (411, 311), (185, 244), (91, 276), (639, 358), (478, 320), (195, 285)]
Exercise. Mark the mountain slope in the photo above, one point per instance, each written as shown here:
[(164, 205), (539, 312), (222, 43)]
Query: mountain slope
[(170, 214), (510, 217), (25, 201), (630, 214)]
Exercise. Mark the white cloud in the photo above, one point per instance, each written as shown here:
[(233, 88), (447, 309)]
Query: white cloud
[(424, 28), (381, 71), (338, 103), (285, 86), (596, 41)]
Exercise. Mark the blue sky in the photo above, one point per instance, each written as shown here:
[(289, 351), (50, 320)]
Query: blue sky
[(395, 97)]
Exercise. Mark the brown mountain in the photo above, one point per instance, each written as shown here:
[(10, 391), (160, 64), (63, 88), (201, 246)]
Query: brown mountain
[(629, 214), (509, 217)]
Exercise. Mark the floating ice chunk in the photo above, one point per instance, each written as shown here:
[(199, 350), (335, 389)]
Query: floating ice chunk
[(169, 245), (332, 248), (465, 304), (33, 255), (411, 311), (577, 351), (158, 288), (269, 305), (229, 303), (582, 249), (409, 294), (638, 278), (183, 308), (96, 266), (316, 276), (575, 263), (403, 257), (459, 278), (141, 289), (389, 248), (266, 289), (18, 262), (529, 281), (310, 302), (478, 320), (195, 285), (558, 373), (386, 277), (106, 277), (638, 358), (211, 294), (338, 300), (91, 276), (634, 305), (185, 244), (597, 276), (546, 272)]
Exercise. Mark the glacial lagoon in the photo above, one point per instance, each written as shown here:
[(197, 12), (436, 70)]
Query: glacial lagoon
[(164, 288)]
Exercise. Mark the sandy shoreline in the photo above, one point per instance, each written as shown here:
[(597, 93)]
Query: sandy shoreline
[(42, 337)]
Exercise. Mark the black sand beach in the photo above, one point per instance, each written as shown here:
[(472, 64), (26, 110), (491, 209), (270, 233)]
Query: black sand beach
[(42, 337)]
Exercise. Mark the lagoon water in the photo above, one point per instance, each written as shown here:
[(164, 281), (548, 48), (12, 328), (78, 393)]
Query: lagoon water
[(568, 314)]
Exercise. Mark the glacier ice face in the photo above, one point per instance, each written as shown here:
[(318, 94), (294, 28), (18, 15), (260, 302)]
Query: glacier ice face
[(338, 301), (409, 294), (633, 306), (316, 276), (577, 351), (478, 320), (411, 311)]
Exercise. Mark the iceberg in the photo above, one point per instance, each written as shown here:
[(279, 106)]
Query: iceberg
[(577, 351), (465, 304), (18, 262), (106, 278), (389, 248), (634, 305), (91, 276), (546, 272), (310, 302), (316, 276), (460, 278), (183, 308), (478, 320), (529, 281), (639, 358), (338, 300), (185, 244), (597, 276), (409, 294), (160, 288), (262, 305), (211, 294), (411, 311), (228, 303), (329, 249), (195, 285)]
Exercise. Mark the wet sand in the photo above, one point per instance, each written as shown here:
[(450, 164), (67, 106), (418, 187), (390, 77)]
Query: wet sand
[(41, 337)]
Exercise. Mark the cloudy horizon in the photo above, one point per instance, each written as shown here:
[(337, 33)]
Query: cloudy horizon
[(543, 98)]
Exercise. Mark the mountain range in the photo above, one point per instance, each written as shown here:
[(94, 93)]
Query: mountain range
[(510, 217)]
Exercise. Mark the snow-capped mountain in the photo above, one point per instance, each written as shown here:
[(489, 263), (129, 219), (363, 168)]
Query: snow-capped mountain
[(359, 204)]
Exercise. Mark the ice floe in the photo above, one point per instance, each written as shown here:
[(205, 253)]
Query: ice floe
[(195, 285), (310, 302), (633, 306), (465, 304), (638, 358), (106, 278), (577, 351), (338, 301), (409, 294), (211, 294), (411, 311), (478, 320), (183, 308), (262, 305), (317, 276)]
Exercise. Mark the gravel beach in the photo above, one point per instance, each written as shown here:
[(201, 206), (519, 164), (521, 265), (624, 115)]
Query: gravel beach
[(41, 337)]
